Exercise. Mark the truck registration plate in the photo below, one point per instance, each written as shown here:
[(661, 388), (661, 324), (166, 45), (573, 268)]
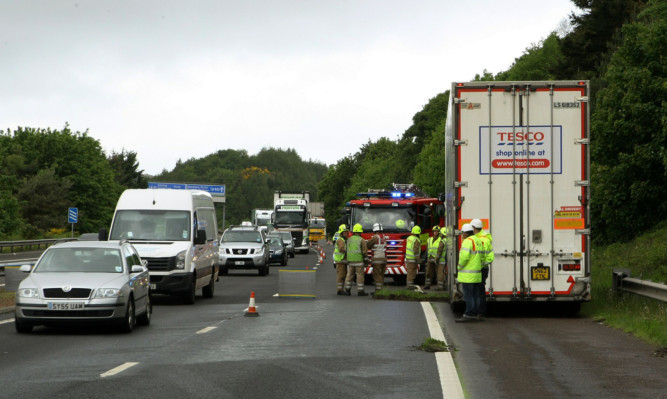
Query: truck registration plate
[(65, 305), (539, 273)]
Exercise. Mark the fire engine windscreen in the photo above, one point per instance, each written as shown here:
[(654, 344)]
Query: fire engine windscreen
[(392, 219)]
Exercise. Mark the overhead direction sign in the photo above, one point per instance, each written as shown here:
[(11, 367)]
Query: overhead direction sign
[(216, 191)]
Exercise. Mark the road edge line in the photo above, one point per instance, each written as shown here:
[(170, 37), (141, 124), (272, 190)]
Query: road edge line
[(449, 378)]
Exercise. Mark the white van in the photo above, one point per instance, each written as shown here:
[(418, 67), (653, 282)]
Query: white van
[(176, 231)]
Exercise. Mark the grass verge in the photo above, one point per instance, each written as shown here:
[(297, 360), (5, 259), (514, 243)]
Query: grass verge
[(408, 295), (6, 298), (646, 257)]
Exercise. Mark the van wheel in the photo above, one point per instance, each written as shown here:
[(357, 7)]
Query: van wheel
[(145, 318), (189, 296), (209, 290)]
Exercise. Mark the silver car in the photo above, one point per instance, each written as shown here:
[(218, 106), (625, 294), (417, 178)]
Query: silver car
[(245, 248), (85, 281)]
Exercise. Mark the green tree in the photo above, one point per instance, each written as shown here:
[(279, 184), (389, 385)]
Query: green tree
[(72, 156), (44, 199), (586, 47), (538, 62), (630, 134), (126, 169), (430, 170), (414, 138)]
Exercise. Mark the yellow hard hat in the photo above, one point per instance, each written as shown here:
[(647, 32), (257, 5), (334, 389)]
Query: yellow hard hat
[(342, 228), (436, 228), (416, 230), (358, 228)]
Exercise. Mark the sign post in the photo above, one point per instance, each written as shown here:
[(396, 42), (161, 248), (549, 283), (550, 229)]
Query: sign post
[(73, 217)]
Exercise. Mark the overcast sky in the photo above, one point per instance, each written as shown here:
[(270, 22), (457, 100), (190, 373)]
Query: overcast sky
[(176, 80)]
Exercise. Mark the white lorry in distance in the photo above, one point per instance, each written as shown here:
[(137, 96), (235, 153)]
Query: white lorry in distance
[(176, 232), (517, 157), (262, 217), (291, 214)]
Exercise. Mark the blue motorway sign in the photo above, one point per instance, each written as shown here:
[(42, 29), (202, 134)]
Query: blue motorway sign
[(210, 188), (72, 215)]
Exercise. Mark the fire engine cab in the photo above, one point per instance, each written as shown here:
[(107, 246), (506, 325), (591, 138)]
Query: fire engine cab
[(398, 210)]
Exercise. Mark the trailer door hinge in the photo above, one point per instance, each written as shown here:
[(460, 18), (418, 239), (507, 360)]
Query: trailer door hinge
[(583, 99), (582, 232), (582, 141), (459, 101), (461, 142), (460, 184), (581, 183)]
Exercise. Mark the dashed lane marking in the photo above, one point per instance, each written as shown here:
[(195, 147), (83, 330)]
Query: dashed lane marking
[(118, 369), (205, 330)]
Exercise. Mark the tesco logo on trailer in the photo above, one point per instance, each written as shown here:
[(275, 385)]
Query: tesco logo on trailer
[(504, 150)]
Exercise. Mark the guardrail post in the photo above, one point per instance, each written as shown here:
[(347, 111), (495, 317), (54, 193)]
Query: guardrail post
[(618, 274)]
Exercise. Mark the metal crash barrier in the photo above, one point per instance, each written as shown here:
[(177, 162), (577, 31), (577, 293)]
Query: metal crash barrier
[(623, 282)]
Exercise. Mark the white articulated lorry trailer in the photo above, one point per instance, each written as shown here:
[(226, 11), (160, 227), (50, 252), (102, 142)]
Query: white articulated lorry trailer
[(291, 213), (517, 157)]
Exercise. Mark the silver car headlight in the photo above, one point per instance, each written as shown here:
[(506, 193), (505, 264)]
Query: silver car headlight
[(180, 260), (259, 251), (107, 293), (28, 293)]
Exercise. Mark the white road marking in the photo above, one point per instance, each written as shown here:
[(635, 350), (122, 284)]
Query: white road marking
[(449, 379), (205, 330), (119, 369), (7, 321)]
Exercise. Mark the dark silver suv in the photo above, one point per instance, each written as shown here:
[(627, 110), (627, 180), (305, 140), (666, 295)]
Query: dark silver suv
[(244, 248)]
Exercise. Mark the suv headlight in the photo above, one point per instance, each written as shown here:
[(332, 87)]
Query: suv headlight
[(259, 251), (180, 260), (28, 293), (107, 293)]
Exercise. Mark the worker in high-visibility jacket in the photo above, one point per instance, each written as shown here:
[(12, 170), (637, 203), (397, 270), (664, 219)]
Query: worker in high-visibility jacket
[(357, 253), (339, 258), (413, 249), (470, 272), (441, 258), (488, 257), (432, 265), (378, 245)]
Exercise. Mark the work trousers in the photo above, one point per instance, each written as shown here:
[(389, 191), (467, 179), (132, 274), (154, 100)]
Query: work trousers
[(379, 267), (351, 272), (471, 297), (341, 273), (412, 267), (433, 267)]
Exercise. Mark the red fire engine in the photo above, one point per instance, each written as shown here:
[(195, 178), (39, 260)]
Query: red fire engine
[(398, 210)]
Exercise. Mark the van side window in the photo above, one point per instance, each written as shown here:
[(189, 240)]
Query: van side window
[(206, 221)]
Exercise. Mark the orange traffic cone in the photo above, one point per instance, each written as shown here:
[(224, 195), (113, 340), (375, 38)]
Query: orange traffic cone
[(252, 311)]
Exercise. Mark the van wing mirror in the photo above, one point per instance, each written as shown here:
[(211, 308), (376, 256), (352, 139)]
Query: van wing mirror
[(200, 237)]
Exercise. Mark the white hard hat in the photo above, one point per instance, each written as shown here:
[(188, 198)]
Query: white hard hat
[(476, 223), (467, 228), (377, 227)]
